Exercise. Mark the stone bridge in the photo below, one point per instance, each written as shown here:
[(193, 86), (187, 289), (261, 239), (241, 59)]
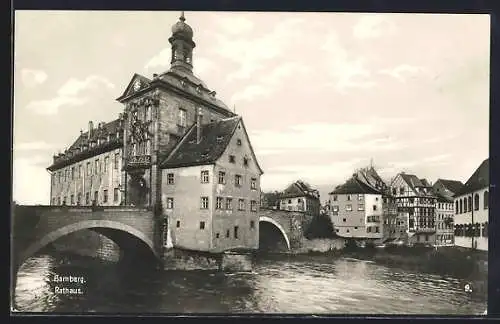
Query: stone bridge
[(35, 227), (291, 226)]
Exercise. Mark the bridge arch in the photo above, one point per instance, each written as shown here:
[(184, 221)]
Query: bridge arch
[(277, 225), (81, 225)]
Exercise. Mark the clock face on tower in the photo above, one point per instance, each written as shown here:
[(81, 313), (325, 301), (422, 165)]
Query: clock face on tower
[(137, 85)]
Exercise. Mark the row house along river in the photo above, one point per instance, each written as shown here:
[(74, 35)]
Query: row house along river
[(319, 284)]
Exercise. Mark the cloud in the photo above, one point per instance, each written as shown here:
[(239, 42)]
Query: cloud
[(67, 95), (32, 78), (373, 26), (30, 181), (329, 137), (235, 25), (202, 66), (319, 174), (403, 71), (269, 83), (346, 69), (33, 146), (251, 53), (161, 59)]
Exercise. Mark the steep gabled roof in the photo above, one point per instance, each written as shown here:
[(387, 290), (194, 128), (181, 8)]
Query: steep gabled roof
[(299, 189), (354, 186), (452, 185), (443, 198), (215, 138), (479, 179), (412, 180)]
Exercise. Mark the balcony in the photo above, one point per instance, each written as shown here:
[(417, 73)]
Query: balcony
[(139, 162), (426, 230)]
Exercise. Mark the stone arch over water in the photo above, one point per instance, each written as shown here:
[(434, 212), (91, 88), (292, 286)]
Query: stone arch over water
[(114, 230), (268, 220)]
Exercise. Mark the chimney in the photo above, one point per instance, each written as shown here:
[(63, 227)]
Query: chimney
[(91, 128), (199, 116)]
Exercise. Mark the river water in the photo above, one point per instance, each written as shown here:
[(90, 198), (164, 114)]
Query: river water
[(278, 284)]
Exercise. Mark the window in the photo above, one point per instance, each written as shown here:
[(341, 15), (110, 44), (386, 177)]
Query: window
[(348, 207), (170, 203), (465, 205), (89, 169), (360, 197), (170, 178), (117, 159), (72, 173), (219, 203), (456, 207), (334, 197), (220, 138), (96, 196), (227, 234), (241, 204), (202, 225), (335, 208), (377, 230), (178, 224), (252, 224), (181, 118), (343, 219), (222, 177), (355, 227), (148, 147), (236, 232), (245, 162), (253, 205), (238, 142), (229, 203), (349, 197), (361, 207), (105, 196), (374, 207), (87, 198), (486, 199), (204, 203), (402, 190), (72, 199), (116, 192), (237, 180), (476, 202), (253, 184), (368, 229), (461, 205), (232, 159), (217, 235), (64, 200), (204, 176), (106, 162), (79, 198), (97, 166), (148, 113)]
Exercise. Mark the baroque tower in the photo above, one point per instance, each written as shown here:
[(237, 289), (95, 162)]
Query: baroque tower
[(157, 114)]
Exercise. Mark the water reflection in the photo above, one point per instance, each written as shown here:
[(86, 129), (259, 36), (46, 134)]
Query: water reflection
[(281, 284)]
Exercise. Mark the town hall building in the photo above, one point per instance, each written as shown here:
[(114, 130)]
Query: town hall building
[(177, 146)]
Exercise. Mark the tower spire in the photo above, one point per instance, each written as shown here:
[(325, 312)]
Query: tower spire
[(182, 18), (182, 45)]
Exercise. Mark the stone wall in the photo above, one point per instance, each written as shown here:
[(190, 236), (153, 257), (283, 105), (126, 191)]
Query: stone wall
[(89, 243), (319, 245)]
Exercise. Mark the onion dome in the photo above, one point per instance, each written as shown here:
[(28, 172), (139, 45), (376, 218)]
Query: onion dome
[(182, 29)]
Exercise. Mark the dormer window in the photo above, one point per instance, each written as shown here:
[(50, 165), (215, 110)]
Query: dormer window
[(245, 161), (198, 89), (238, 142), (220, 138)]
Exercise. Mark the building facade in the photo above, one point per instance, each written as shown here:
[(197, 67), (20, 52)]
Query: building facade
[(119, 163), (300, 196), (471, 205), (89, 172), (356, 210), (416, 208), (212, 192), (444, 190)]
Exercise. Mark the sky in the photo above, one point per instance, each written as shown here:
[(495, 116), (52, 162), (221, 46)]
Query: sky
[(321, 94)]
